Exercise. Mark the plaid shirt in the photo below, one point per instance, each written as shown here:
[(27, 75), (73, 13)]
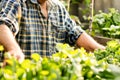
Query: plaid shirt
[(36, 34)]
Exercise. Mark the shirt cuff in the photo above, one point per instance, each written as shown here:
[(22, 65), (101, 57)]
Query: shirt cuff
[(74, 34), (10, 24)]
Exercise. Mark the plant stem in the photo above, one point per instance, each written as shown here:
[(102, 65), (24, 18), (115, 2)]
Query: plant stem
[(92, 13), (68, 5)]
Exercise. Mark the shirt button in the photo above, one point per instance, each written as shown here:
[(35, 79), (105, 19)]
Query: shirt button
[(50, 51)]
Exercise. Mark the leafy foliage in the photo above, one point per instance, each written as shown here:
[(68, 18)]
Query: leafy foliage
[(107, 24), (67, 64), (1, 48), (111, 54)]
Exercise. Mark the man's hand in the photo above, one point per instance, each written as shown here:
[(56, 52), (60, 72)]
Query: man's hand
[(18, 55), (9, 43)]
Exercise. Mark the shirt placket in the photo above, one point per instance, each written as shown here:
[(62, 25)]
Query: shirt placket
[(44, 25), (49, 32), (52, 32)]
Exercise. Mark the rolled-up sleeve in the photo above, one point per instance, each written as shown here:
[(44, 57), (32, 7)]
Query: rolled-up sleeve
[(74, 31), (8, 12)]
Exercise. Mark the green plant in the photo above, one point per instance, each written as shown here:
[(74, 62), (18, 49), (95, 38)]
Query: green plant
[(77, 1), (67, 64), (85, 9), (111, 54), (86, 3), (107, 24)]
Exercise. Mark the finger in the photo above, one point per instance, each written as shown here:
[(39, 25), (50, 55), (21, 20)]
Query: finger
[(4, 63), (20, 58)]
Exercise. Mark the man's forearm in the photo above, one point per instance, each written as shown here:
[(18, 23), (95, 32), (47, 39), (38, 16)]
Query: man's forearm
[(7, 39), (88, 42)]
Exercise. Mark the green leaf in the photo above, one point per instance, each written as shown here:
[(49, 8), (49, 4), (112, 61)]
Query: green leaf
[(29, 75), (1, 48), (36, 57), (26, 64), (116, 18), (44, 72)]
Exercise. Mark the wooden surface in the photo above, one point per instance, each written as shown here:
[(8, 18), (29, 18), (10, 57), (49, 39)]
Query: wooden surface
[(104, 5), (102, 40)]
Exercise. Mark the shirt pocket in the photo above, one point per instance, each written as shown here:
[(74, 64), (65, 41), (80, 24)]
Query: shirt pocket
[(59, 32)]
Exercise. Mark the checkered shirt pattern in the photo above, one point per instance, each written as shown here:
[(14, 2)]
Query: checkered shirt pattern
[(37, 34)]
